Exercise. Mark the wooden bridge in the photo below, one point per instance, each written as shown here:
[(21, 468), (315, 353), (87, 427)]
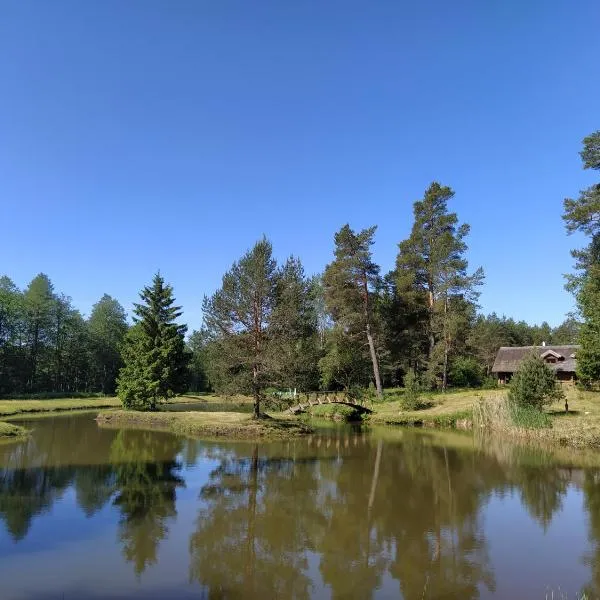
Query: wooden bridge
[(316, 398)]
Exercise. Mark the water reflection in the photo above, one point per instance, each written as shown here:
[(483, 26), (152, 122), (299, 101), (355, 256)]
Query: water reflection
[(341, 515)]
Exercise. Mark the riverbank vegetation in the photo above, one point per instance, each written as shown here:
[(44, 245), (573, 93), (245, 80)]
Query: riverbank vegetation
[(8, 430)]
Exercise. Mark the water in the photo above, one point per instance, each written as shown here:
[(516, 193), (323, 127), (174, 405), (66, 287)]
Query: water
[(99, 513)]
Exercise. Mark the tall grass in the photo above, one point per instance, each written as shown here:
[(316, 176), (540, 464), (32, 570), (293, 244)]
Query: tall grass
[(500, 414)]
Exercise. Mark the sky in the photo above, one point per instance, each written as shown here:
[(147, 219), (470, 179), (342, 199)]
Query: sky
[(145, 135)]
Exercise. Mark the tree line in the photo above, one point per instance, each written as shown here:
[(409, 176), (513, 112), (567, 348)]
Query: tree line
[(271, 325), (47, 346)]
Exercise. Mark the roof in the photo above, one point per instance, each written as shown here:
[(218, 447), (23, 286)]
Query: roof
[(508, 359)]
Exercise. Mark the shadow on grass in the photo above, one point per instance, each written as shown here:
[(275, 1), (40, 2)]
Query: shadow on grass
[(562, 413)]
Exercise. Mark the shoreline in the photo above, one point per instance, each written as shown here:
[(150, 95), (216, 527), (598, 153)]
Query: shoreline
[(215, 425), (8, 431)]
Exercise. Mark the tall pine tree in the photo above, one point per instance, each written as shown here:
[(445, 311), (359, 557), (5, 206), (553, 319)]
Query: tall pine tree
[(583, 215), (350, 282), (237, 318), (154, 352), (432, 263)]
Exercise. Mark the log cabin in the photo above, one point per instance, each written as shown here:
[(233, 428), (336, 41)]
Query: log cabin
[(561, 359)]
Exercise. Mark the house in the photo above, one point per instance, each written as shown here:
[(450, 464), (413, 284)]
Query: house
[(561, 359)]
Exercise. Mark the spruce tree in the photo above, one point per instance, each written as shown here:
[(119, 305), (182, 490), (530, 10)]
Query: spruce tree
[(583, 215), (154, 353)]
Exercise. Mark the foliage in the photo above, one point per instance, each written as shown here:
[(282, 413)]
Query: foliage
[(335, 412), (237, 318), (411, 399), (295, 348), (349, 284), (154, 353), (432, 264), (107, 327), (534, 384), (345, 363), (466, 372), (583, 215)]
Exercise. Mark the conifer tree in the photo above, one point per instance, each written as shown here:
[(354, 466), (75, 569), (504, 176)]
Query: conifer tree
[(350, 282), (237, 319), (583, 215), (154, 353), (432, 264)]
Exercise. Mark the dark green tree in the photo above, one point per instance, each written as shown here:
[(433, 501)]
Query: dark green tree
[(38, 304), (294, 328), (11, 321), (107, 327), (237, 318), (583, 215), (534, 384), (350, 283), (198, 345), (154, 352), (432, 264)]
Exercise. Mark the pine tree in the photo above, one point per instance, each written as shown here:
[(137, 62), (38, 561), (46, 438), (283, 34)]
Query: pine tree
[(583, 215), (294, 328), (534, 384), (154, 353), (432, 264), (237, 318), (350, 283)]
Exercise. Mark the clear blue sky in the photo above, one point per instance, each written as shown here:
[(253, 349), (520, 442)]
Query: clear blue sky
[(148, 134)]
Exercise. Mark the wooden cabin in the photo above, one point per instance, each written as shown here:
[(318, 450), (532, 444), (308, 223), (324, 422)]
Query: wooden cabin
[(561, 359)]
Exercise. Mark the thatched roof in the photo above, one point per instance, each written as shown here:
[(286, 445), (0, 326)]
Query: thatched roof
[(508, 359)]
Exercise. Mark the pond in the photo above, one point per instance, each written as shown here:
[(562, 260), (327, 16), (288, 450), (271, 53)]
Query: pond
[(92, 513)]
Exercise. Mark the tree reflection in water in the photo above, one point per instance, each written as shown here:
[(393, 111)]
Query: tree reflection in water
[(344, 511)]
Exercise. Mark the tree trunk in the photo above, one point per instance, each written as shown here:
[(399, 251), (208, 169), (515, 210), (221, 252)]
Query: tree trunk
[(446, 346), (367, 315), (374, 361), (256, 391)]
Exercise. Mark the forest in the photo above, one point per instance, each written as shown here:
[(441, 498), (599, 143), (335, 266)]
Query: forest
[(272, 326)]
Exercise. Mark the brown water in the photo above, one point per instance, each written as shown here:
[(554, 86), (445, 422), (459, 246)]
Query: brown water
[(99, 513)]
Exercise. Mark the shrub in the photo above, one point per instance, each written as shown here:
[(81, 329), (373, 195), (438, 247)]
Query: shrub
[(466, 372), (534, 384), (411, 400), (336, 412)]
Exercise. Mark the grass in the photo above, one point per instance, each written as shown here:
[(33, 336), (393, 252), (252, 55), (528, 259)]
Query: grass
[(442, 410), (335, 412), (12, 408), (206, 424), (580, 427), (8, 430)]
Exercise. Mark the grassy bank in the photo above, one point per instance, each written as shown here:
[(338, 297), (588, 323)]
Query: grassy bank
[(580, 427), (453, 409), (8, 430), (14, 408), (206, 424)]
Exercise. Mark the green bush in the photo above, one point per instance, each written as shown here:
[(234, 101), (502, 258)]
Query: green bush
[(466, 372), (336, 412), (534, 384), (411, 399)]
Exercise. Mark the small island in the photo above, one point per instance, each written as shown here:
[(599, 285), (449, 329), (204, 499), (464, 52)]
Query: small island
[(232, 425)]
